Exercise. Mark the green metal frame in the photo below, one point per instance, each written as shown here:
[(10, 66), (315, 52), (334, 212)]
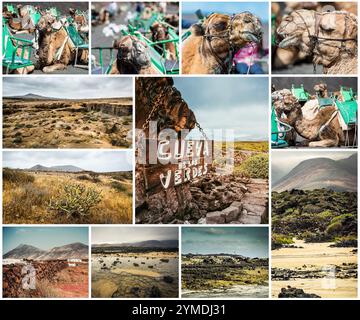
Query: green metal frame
[(11, 60), (278, 135), (78, 42), (300, 93), (348, 108), (105, 69)]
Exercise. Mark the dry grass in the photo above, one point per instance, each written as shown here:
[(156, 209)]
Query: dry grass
[(67, 123), (28, 202)]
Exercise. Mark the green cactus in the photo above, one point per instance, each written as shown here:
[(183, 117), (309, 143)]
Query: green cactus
[(76, 201)]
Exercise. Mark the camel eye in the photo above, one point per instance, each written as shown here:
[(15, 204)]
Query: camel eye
[(247, 20), (220, 26), (327, 28)]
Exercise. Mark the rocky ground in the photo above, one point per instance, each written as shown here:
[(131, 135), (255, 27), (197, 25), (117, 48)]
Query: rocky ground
[(344, 271), (135, 275), (214, 199), (291, 292), (60, 280), (94, 123), (223, 275)]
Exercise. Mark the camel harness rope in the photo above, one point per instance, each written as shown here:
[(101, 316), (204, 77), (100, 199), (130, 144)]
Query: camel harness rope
[(225, 67), (315, 39), (326, 124)]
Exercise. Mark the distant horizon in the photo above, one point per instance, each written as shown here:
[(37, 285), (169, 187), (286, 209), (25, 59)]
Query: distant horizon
[(52, 97), (113, 235), (117, 242), (70, 87), (97, 161), (248, 242)]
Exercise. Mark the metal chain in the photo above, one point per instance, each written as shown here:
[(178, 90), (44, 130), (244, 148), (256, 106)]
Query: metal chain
[(150, 116), (201, 130)]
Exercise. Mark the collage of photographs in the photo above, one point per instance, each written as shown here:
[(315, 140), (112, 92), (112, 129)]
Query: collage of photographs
[(179, 150)]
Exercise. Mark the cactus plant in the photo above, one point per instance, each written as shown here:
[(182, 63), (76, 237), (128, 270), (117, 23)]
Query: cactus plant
[(76, 201)]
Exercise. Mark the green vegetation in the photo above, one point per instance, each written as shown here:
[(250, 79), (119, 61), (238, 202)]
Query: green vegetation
[(278, 240), (259, 146), (76, 201), (255, 146), (314, 216), (256, 166)]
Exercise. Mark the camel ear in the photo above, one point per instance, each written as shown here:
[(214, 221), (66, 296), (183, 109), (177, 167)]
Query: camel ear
[(197, 30), (328, 22), (116, 44)]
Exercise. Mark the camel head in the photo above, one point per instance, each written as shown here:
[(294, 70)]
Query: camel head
[(245, 28), (285, 102), (47, 24), (159, 32), (294, 30), (325, 35), (321, 89), (132, 51), (335, 25), (237, 30)]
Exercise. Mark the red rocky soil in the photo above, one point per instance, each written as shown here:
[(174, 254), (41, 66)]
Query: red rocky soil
[(53, 278)]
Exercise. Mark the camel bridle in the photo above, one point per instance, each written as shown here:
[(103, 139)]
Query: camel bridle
[(134, 51), (226, 34), (316, 40)]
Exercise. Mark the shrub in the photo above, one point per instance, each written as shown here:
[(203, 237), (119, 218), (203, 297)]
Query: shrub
[(17, 176), (118, 186), (348, 241), (333, 228), (278, 240), (255, 167), (76, 201)]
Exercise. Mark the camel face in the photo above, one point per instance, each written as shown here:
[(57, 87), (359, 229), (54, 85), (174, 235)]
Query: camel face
[(46, 23), (133, 51), (285, 102), (294, 30), (245, 28), (159, 32), (335, 26)]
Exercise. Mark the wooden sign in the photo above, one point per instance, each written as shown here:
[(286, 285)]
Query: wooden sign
[(175, 163)]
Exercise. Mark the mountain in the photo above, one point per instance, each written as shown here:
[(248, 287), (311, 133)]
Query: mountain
[(24, 251), (141, 244), (65, 168), (69, 251), (349, 164), (318, 173), (30, 96)]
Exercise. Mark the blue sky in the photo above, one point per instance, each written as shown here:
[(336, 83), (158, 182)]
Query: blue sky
[(259, 9), (238, 103), (247, 241), (98, 161), (43, 237)]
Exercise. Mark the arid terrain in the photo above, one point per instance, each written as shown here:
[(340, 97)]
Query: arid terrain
[(224, 276), (130, 272), (50, 197), (38, 122), (310, 266), (61, 272)]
